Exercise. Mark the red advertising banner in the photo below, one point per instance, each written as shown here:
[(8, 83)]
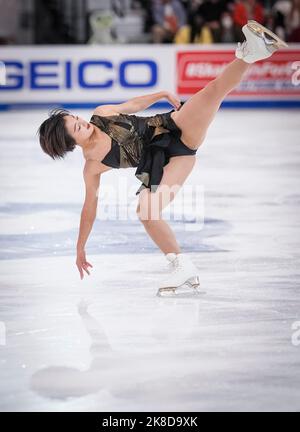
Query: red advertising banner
[(278, 76)]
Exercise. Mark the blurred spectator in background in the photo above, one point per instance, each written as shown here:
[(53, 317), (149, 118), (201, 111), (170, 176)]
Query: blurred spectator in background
[(143, 21), (211, 11), (168, 16), (196, 30), (280, 14), (9, 21), (146, 6), (244, 11), (294, 22), (227, 28), (209, 21)]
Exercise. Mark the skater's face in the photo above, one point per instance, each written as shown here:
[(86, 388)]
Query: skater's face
[(78, 128)]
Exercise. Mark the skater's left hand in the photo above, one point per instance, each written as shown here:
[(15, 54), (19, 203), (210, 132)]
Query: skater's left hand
[(82, 263), (173, 100)]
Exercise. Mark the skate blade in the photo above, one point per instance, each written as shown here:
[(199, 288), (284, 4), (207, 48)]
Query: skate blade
[(190, 287), (260, 30)]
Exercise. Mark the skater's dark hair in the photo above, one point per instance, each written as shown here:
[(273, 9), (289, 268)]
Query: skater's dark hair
[(54, 138)]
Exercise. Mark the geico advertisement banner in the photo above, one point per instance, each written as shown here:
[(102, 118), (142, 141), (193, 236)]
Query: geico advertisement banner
[(90, 75), (84, 74)]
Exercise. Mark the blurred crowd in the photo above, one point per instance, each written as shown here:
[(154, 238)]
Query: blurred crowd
[(143, 21), (220, 21)]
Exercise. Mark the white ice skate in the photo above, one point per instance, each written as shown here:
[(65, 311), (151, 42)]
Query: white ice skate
[(184, 278), (260, 43)]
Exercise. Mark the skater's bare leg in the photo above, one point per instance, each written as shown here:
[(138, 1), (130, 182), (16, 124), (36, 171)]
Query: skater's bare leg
[(197, 113), (162, 235), (151, 204)]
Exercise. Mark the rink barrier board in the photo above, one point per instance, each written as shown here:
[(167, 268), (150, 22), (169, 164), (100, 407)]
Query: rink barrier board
[(82, 77), (259, 104)]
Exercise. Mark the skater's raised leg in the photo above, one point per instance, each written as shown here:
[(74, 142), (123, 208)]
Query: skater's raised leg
[(197, 113)]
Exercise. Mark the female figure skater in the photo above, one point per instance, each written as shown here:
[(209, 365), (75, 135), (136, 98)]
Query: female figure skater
[(162, 147)]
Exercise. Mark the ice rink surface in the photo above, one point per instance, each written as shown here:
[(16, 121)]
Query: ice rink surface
[(107, 343)]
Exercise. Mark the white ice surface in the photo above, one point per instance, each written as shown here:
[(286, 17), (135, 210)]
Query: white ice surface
[(228, 349)]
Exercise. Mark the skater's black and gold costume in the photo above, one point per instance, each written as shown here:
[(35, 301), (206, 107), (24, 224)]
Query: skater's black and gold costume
[(143, 142)]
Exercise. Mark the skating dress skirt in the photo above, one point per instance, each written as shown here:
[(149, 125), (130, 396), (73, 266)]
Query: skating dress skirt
[(146, 143)]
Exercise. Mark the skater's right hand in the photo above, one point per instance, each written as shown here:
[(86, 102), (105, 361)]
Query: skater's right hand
[(82, 263)]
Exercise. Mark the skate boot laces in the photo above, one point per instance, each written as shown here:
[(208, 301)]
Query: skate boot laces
[(243, 48), (177, 265), (170, 265), (171, 258)]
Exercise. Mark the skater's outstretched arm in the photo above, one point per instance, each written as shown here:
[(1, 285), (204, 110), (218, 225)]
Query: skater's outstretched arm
[(88, 216), (138, 103)]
